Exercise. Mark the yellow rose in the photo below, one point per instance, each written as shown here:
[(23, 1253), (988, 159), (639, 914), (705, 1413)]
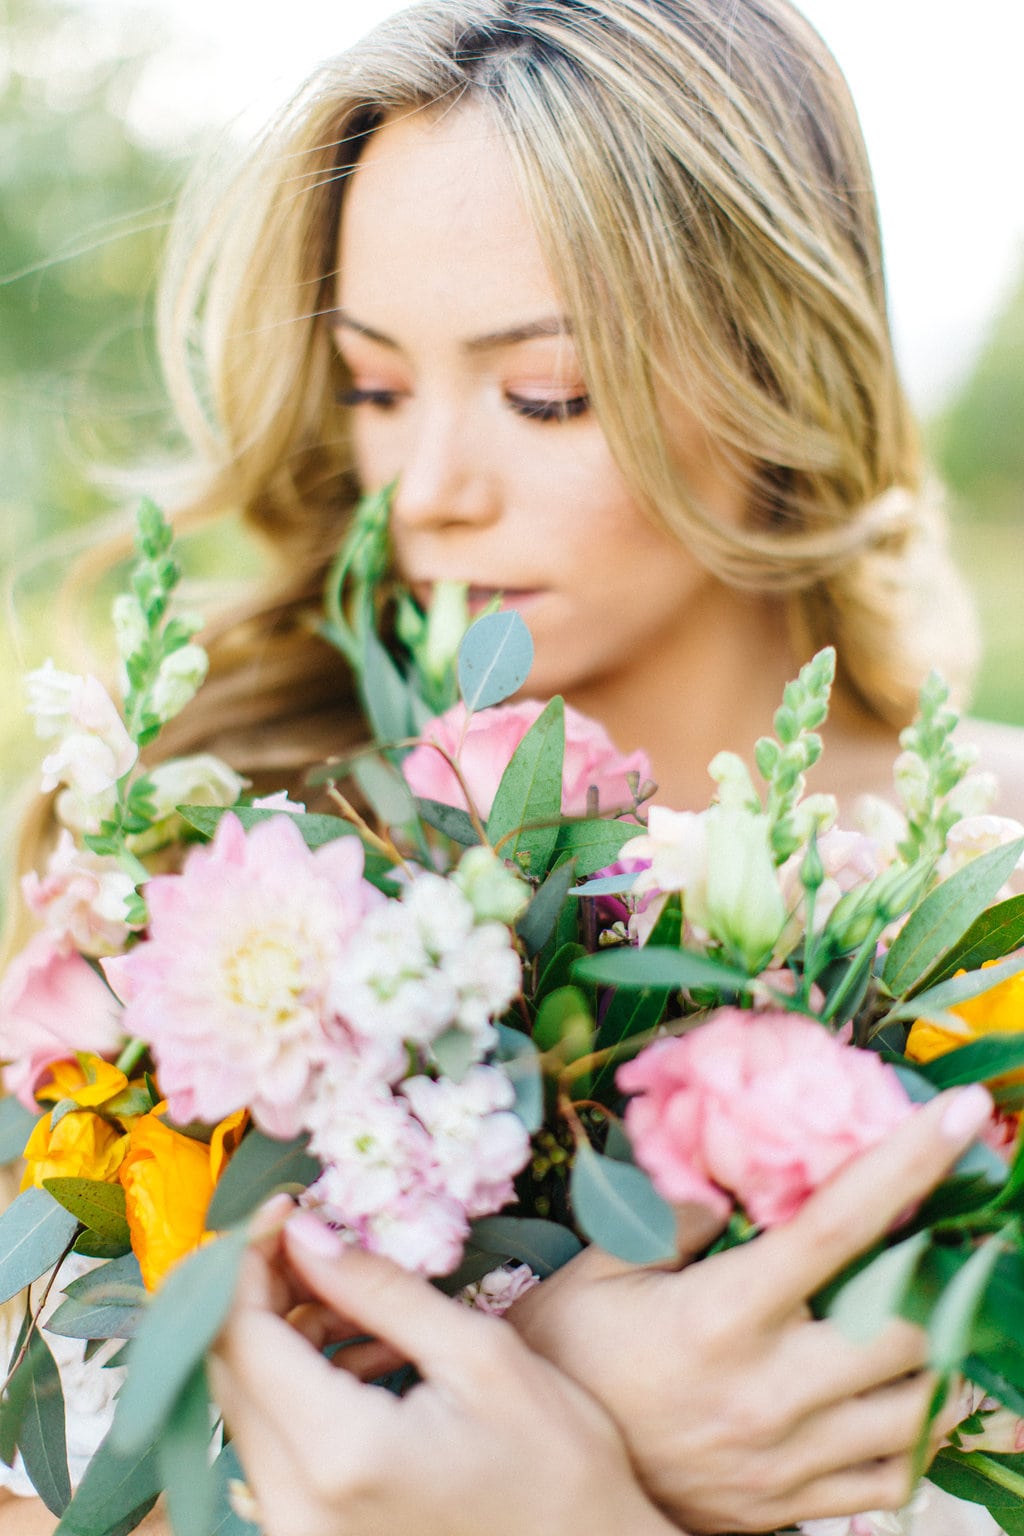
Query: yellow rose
[(1000, 1010), (90, 1081), (168, 1180), (82, 1145)]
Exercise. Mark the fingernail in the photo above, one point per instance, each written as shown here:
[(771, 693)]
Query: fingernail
[(311, 1233), (966, 1112)]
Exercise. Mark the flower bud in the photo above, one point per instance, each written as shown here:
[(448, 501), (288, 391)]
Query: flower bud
[(743, 903), (494, 892), (179, 679)]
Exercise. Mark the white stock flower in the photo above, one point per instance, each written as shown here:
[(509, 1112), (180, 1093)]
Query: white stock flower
[(444, 918), (487, 975), (94, 749), (81, 898), (180, 677), (385, 985), (478, 1143)]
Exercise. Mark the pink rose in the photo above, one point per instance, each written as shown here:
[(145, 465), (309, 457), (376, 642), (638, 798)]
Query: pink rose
[(758, 1109), (52, 1004), (484, 748)]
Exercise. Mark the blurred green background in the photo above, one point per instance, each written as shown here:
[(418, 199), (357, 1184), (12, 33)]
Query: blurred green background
[(83, 209)]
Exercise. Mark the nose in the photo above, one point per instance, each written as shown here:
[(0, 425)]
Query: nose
[(446, 477)]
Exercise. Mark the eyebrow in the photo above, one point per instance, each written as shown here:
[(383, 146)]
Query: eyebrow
[(510, 336)]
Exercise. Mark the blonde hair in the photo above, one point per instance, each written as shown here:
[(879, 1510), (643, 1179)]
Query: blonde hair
[(700, 187)]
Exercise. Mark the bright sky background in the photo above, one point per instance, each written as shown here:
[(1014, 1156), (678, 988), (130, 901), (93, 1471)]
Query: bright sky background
[(937, 83)]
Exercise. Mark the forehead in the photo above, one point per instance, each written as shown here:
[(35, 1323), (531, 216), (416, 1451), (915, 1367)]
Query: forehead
[(433, 215)]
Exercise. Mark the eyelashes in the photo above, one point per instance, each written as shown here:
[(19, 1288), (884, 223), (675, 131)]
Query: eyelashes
[(530, 410)]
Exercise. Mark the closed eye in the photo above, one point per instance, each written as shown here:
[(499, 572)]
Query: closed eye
[(383, 399), (549, 410)]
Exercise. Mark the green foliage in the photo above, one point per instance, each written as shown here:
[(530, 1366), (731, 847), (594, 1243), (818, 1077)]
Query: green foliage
[(523, 823), (34, 1233), (258, 1169), (495, 658), (783, 762), (617, 1207)]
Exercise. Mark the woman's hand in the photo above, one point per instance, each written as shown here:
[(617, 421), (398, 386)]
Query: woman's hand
[(742, 1412), (493, 1440)]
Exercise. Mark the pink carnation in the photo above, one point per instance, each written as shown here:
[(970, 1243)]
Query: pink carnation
[(484, 749), (52, 1004), (231, 987), (756, 1108)]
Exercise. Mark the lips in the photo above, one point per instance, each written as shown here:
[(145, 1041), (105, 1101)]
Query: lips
[(478, 596)]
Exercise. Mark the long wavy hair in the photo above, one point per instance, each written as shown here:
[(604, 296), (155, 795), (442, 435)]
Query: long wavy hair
[(699, 184)]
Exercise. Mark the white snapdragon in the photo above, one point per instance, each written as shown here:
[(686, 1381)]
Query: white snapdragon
[(131, 631), (93, 747), (975, 835), (180, 677), (675, 846)]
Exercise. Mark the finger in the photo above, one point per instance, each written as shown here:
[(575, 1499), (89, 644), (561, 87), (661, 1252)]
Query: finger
[(367, 1362), (440, 1337), (886, 1484), (861, 1202), (879, 1425), (825, 1367)]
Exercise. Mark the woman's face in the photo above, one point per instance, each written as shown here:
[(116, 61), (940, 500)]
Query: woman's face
[(467, 389)]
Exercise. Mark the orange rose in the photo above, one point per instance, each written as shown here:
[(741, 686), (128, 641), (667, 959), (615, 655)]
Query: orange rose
[(82, 1145), (168, 1180)]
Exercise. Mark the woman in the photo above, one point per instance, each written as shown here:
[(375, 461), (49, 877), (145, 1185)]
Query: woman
[(599, 281)]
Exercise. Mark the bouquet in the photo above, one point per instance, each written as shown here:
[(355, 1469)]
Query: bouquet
[(498, 1006)]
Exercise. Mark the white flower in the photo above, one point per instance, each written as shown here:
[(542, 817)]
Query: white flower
[(974, 795), (130, 628), (975, 835), (94, 749), (478, 1143), (81, 898), (879, 819), (181, 675), (375, 1152), (743, 903), (910, 774), (279, 802), (200, 779), (676, 844), (444, 918), (499, 1288), (384, 984), (487, 975)]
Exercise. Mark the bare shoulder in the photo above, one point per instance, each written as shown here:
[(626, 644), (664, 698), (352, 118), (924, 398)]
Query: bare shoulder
[(1001, 751)]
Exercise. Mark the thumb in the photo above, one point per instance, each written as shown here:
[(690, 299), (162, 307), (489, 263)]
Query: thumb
[(380, 1298)]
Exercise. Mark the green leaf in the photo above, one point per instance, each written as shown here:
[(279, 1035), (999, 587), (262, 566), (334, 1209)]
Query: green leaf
[(531, 791), (455, 1052), (544, 1245), (98, 1206), (385, 790), (952, 1322), (185, 1469), (227, 1469), (34, 1233), (260, 1167), (384, 692), (518, 1055), (618, 1208), (16, 1126), (182, 1321), (861, 1308), (564, 1022), (1005, 1389), (559, 970), (976, 1062), (957, 989), (653, 966), (606, 885), (115, 1495), (982, 1479), (42, 1440), (595, 843), (91, 1246), (106, 1303), (945, 915), (537, 923), (997, 932), (316, 829), (495, 658), (449, 819)]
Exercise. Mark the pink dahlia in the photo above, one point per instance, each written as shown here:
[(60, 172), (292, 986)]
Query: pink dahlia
[(231, 987), (756, 1108), (484, 748)]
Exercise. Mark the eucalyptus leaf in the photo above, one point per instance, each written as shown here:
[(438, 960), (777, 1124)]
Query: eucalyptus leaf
[(260, 1167), (606, 885), (115, 1495), (227, 1469), (16, 1126), (449, 819), (956, 990), (518, 1056), (997, 932), (384, 788), (951, 1325), (653, 966), (455, 1052), (34, 1232), (618, 1208), (183, 1319), (544, 1245), (98, 1206), (42, 1440), (107, 1303), (524, 817), (495, 658), (91, 1246), (185, 1469), (384, 691), (945, 915), (537, 923), (595, 843), (861, 1308)]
